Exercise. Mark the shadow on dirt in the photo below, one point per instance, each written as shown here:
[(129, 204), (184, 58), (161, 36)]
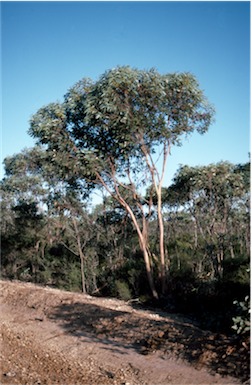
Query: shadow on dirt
[(119, 330), (93, 323)]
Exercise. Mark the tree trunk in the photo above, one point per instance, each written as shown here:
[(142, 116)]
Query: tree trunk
[(82, 257), (178, 258), (83, 280), (232, 251), (220, 258), (142, 235), (144, 247), (157, 181), (161, 243)]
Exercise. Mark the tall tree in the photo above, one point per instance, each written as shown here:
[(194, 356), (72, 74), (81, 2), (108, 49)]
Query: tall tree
[(215, 196), (118, 129), (34, 177), (77, 226)]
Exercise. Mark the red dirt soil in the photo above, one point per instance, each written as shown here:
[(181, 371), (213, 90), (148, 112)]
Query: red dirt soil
[(50, 336)]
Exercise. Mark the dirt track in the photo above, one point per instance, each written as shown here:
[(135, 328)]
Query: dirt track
[(50, 336)]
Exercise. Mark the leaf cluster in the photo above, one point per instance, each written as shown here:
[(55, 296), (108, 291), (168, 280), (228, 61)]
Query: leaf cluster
[(212, 183), (126, 109), (241, 323)]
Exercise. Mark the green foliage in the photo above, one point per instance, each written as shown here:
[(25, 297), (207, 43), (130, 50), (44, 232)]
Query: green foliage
[(109, 130), (210, 185), (241, 323), (183, 286), (237, 270), (113, 134), (216, 199), (126, 106), (45, 276), (210, 302), (73, 278), (122, 290)]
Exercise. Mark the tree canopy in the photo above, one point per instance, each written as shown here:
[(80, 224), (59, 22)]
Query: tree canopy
[(187, 244), (111, 133)]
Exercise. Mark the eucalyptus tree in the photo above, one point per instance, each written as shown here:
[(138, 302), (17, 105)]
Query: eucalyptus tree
[(22, 180), (21, 223), (33, 177), (215, 196), (78, 232), (120, 130)]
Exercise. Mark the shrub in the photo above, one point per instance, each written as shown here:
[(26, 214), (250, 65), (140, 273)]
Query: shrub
[(123, 290), (236, 270), (241, 323)]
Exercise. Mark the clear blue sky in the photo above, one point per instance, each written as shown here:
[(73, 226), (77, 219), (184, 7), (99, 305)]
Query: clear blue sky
[(49, 46)]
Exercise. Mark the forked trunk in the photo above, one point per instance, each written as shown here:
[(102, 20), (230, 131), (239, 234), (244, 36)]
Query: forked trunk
[(142, 234)]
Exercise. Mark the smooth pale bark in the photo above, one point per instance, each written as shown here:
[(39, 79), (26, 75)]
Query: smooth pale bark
[(143, 242), (157, 180), (142, 234), (81, 255)]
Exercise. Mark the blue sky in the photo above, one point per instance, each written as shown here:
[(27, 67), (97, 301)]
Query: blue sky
[(49, 46)]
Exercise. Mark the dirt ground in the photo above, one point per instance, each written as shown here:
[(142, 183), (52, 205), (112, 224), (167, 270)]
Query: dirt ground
[(50, 336)]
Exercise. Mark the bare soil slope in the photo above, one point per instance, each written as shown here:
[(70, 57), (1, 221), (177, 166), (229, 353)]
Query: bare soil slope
[(50, 336)]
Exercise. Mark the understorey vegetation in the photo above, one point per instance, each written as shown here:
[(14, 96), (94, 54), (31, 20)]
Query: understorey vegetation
[(184, 248)]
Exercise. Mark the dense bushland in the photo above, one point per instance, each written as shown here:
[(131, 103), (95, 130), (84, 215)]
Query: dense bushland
[(40, 244), (184, 247)]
